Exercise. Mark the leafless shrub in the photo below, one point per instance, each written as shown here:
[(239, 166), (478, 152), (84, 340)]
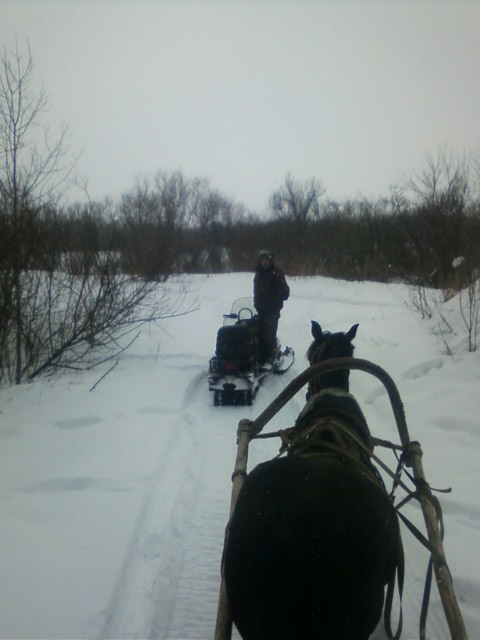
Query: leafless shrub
[(469, 300), (420, 301), (64, 301)]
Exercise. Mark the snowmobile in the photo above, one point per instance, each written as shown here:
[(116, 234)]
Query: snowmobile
[(237, 369)]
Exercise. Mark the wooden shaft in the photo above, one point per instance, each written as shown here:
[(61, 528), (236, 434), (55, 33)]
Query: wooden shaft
[(442, 572), (335, 364), (223, 628)]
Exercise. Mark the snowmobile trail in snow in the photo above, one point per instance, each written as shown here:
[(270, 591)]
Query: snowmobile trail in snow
[(199, 581), (143, 599)]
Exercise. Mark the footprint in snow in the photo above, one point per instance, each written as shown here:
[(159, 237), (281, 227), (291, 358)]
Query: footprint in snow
[(378, 392), (60, 485), (422, 369), (156, 409), (77, 423)]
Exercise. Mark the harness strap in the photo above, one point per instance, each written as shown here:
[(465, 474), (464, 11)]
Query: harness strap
[(338, 418), (421, 485), (301, 444), (425, 600), (387, 612), (336, 422), (428, 577)]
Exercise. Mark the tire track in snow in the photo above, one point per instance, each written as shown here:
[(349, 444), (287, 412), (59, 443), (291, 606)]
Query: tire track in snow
[(143, 598), (194, 612), (195, 606)]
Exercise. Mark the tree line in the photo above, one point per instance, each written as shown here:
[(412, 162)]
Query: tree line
[(171, 225), (77, 281)]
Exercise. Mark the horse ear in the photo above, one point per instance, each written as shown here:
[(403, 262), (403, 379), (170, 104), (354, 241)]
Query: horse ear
[(352, 332), (316, 330)]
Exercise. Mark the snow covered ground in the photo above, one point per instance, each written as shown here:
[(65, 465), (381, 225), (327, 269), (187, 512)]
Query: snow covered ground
[(113, 502)]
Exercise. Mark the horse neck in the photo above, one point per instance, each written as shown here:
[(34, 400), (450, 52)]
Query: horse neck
[(335, 379)]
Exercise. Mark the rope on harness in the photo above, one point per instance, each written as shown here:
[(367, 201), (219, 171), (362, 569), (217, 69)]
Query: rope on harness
[(428, 577), (239, 472), (423, 488), (378, 442)]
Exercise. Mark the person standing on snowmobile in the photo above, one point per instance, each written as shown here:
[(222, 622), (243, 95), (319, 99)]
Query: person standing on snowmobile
[(270, 290)]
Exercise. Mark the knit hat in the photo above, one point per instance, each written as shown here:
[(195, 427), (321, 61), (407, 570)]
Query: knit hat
[(265, 253)]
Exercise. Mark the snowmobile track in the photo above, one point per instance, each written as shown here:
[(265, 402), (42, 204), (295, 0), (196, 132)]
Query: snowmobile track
[(143, 599)]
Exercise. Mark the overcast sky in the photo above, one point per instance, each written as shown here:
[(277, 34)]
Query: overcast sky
[(240, 92)]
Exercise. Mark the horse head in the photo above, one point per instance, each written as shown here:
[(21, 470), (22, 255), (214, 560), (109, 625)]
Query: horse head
[(328, 397), (325, 346)]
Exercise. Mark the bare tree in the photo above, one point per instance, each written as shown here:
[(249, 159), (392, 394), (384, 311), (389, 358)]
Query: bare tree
[(469, 300), (213, 215), (65, 302), (29, 175), (436, 225), (296, 205), (153, 216), (297, 202), (444, 182), (443, 232), (92, 314)]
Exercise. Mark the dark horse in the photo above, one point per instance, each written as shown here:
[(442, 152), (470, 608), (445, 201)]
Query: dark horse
[(314, 539)]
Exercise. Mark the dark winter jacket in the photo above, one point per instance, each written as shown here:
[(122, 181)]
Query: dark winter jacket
[(270, 289)]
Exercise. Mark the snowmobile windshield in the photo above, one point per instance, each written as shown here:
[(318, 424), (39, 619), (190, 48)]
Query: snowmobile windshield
[(242, 309)]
